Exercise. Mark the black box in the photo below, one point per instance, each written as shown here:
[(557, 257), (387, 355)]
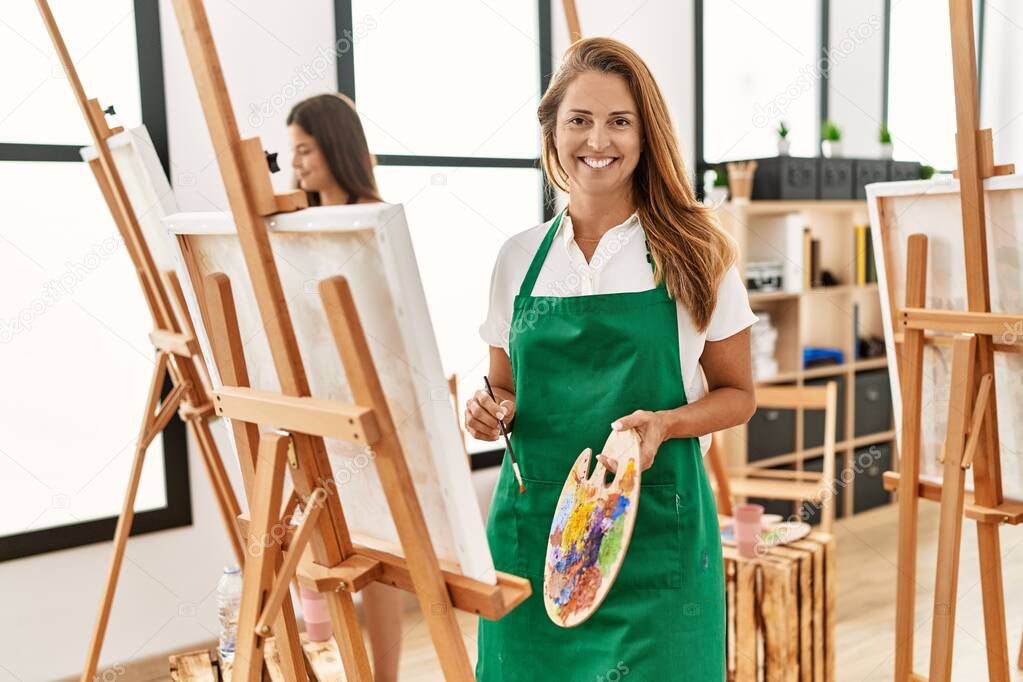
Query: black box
[(869, 465), (811, 513), (868, 171), (770, 432), (813, 420), (873, 409), (835, 178), (785, 177), (903, 170)]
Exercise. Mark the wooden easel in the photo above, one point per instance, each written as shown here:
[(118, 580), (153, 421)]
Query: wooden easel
[(173, 337), (972, 428), (575, 32), (340, 568)]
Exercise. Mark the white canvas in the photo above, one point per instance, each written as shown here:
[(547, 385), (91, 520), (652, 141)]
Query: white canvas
[(152, 199), (147, 187), (369, 244), (932, 207)]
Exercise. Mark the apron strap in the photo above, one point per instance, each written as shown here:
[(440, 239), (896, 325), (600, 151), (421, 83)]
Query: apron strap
[(541, 255), (526, 289)]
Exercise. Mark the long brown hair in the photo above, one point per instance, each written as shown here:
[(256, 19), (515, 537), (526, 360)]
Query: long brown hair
[(332, 121), (691, 253)]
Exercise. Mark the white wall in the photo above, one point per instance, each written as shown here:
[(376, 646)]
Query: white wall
[(661, 31)]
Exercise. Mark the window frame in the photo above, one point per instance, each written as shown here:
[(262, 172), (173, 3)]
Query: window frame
[(178, 509)]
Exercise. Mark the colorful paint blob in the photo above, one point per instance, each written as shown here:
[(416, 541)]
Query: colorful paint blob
[(590, 532)]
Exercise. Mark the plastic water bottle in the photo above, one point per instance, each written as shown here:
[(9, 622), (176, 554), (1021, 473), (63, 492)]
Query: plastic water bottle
[(229, 597)]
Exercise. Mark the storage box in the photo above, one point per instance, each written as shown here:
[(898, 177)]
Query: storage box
[(835, 179), (869, 465), (813, 420), (873, 409), (868, 171), (903, 170), (785, 177), (770, 432)]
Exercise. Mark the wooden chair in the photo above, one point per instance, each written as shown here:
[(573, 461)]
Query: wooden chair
[(799, 486)]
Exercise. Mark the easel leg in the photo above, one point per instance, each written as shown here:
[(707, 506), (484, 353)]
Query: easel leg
[(952, 504), (124, 521), (909, 461), (264, 552)]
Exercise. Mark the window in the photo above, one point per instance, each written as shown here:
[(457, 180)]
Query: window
[(921, 94), (805, 61), (757, 68), (73, 325), (448, 97)]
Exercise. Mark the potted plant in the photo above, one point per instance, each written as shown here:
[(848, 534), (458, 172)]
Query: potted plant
[(715, 186), (783, 139), (885, 137), (831, 140), (926, 172)]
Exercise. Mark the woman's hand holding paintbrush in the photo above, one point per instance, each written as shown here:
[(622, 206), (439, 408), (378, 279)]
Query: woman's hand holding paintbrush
[(487, 419)]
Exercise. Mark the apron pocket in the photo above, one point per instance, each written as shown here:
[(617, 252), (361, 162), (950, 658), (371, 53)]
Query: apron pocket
[(654, 557)]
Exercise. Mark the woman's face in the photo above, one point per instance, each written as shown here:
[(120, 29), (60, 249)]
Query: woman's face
[(308, 162), (599, 134)]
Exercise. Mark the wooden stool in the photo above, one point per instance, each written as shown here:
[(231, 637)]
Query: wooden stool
[(780, 607)]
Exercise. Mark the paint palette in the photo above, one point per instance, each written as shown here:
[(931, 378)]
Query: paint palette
[(591, 531)]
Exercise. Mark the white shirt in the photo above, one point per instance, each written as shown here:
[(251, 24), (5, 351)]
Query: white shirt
[(618, 265)]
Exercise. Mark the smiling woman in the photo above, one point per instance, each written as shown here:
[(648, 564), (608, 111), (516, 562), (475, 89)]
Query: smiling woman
[(610, 317)]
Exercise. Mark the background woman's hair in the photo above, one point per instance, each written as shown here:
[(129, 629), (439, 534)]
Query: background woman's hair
[(332, 121), (691, 253)]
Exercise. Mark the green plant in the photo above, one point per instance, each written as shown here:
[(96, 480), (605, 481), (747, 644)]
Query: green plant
[(830, 131), (885, 135), (783, 131), (926, 172), (721, 179)]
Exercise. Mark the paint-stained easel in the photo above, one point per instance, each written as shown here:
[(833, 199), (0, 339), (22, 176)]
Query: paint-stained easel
[(173, 338), (972, 427), (299, 424)]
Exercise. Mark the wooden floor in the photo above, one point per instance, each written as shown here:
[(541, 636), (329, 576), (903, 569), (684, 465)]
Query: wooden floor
[(866, 603)]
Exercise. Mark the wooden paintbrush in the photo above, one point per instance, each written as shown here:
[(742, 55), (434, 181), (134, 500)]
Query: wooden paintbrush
[(507, 440)]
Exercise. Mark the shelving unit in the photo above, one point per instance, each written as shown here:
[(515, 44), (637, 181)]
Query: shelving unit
[(811, 316)]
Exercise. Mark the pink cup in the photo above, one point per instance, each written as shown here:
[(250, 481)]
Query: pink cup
[(748, 518), (316, 615)]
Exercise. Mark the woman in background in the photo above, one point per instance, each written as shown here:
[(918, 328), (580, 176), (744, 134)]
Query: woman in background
[(333, 165)]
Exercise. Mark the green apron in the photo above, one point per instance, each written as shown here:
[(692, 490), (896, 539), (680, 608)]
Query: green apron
[(579, 363)]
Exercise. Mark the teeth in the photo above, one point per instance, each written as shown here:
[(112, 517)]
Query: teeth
[(597, 163)]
